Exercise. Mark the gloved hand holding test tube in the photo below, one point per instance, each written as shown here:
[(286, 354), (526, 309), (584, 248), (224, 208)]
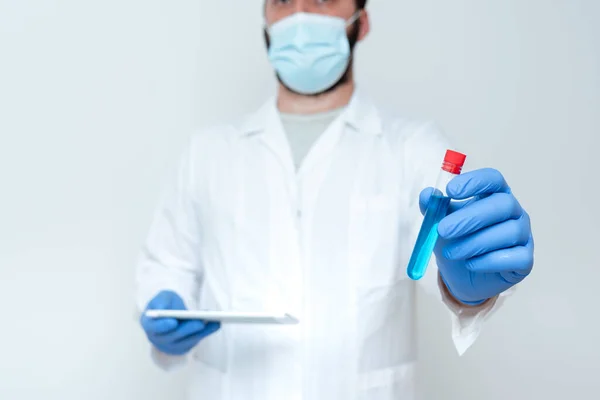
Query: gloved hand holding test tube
[(483, 242)]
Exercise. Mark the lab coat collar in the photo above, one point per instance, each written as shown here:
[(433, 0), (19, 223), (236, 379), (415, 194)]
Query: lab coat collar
[(361, 115)]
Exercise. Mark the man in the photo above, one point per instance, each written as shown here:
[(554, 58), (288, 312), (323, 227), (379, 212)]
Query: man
[(312, 205)]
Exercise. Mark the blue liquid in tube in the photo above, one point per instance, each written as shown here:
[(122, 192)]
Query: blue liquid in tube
[(428, 235)]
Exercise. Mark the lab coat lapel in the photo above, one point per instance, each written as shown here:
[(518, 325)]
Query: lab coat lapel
[(266, 124), (323, 148), (275, 139)]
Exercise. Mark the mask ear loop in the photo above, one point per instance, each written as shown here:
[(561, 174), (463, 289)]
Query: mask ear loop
[(353, 18)]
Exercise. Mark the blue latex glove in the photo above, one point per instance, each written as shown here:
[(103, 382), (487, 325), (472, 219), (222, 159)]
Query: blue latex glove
[(485, 244), (169, 335)]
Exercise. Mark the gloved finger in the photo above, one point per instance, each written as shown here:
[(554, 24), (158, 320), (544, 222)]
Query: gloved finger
[(187, 328), (209, 329), (426, 194), (184, 345), (514, 263), (480, 214), (159, 326), (511, 233), (479, 182)]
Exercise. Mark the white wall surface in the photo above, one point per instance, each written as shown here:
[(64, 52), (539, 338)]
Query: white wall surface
[(97, 98)]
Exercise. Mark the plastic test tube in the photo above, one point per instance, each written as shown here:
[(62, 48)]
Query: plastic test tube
[(436, 210)]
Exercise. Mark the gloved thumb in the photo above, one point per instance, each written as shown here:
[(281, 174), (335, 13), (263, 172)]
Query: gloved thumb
[(166, 300), (424, 199)]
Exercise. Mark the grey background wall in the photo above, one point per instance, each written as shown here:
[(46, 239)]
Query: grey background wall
[(97, 98)]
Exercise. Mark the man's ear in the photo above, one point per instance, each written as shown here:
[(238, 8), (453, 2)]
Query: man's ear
[(365, 25)]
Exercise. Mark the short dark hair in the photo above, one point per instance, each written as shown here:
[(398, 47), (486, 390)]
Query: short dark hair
[(361, 4)]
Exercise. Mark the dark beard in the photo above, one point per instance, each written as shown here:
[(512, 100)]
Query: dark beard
[(352, 40)]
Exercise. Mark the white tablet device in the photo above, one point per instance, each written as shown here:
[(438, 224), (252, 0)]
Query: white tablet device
[(234, 317)]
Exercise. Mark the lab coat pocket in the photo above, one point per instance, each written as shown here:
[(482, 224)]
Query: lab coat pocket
[(373, 240), (384, 326)]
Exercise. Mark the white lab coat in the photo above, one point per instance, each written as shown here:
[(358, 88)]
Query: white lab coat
[(241, 229)]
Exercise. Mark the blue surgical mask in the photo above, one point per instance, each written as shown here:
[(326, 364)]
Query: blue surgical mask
[(310, 52)]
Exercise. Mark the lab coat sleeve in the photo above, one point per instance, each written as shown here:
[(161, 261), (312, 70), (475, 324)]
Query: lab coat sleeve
[(169, 258), (424, 152)]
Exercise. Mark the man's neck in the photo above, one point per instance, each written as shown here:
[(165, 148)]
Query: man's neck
[(293, 103)]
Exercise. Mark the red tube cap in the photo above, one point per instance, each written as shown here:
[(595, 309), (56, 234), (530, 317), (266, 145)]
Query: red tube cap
[(453, 162)]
